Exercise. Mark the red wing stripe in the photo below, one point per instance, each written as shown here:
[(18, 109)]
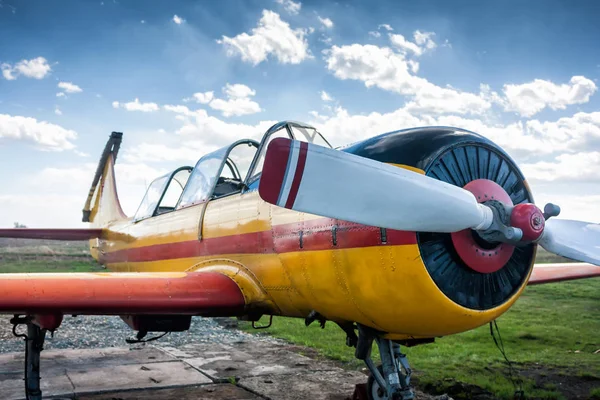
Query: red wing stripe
[(298, 175), (548, 273)]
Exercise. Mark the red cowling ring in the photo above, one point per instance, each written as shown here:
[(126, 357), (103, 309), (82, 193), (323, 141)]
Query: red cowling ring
[(529, 219), (473, 254)]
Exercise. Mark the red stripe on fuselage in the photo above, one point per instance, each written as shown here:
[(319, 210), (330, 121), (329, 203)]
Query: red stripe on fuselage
[(297, 175), (316, 235)]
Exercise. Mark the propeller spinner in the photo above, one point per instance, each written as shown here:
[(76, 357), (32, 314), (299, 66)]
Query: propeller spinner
[(317, 180)]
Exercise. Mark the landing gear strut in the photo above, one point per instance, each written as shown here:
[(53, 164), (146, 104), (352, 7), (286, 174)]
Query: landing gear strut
[(391, 380), (34, 344)]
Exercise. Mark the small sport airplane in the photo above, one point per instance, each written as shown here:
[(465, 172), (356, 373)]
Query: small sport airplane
[(398, 239)]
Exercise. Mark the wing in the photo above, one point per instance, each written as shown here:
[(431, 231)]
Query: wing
[(52, 234), (117, 293), (548, 273)]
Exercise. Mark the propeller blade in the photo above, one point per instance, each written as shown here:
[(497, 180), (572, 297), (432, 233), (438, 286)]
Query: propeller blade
[(577, 240), (317, 180)]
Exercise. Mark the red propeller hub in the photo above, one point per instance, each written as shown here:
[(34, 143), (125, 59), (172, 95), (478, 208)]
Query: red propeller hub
[(529, 219), (477, 254)]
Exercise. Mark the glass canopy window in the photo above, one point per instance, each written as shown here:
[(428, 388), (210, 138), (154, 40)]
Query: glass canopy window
[(163, 193), (203, 179), (152, 197), (309, 134), (286, 129)]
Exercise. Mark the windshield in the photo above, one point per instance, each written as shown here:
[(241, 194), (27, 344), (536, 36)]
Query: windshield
[(203, 179), (310, 135), (152, 197)]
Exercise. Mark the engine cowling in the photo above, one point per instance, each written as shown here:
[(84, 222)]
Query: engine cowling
[(463, 158)]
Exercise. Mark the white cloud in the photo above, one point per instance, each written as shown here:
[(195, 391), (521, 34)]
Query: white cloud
[(7, 72), (582, 207), (57, 111), (565, 167), (423, 42), (375, 34), (178, 20), (530, 98), (326, 22), (404, 45), (45, 135), (432, 99), (48, 210), (518, 139), (69, 87), (383, 68), (59, 192), (325, 39), (238, 90), (271, 36), (424, 39), (414, 66), (387, 27), (577, 133), (136, 106), (61, 94), (202, 98), (325, 96), (179, 109), (238, 101), (290, 6), (157, 152), (36, 68)]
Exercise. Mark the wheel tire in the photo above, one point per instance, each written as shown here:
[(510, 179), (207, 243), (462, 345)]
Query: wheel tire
[(374, 392)]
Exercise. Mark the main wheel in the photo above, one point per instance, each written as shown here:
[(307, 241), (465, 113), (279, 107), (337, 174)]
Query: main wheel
[(374, 391)]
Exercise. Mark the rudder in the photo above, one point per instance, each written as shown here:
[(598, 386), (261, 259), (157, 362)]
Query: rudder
[(102, 205)]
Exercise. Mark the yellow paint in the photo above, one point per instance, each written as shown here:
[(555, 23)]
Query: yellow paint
[(385, 287), (409, 167)]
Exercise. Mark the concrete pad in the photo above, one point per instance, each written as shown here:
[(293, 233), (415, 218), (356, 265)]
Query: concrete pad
[(223, 361), (69, 372), (323, 385), (137, 376), (105, 357), (261, 369), (52, 384), (205, 392)]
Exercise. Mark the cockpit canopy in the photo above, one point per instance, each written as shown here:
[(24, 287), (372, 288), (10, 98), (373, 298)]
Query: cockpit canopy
[(231, 169)]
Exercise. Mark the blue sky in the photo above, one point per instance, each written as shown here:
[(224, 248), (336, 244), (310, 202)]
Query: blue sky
[(522, 73)]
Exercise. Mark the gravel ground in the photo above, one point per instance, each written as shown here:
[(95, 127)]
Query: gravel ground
[(99, 331)]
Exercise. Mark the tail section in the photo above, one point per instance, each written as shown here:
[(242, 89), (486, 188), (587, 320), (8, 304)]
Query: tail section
[(102, 205)]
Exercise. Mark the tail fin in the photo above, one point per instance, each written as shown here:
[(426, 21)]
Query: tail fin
[(102, 205)]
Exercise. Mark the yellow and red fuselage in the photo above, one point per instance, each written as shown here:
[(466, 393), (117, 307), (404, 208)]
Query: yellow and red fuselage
[(290, 263)]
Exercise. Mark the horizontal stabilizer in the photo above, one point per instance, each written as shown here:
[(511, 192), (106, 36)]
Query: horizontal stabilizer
[(548, 273), (120, 293), (52, 234)]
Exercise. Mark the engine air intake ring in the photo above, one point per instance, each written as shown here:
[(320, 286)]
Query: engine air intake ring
[(470, 271)]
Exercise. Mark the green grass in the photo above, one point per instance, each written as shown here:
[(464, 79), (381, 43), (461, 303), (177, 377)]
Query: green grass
[(44, 265), (25, 255), (551, 332)]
